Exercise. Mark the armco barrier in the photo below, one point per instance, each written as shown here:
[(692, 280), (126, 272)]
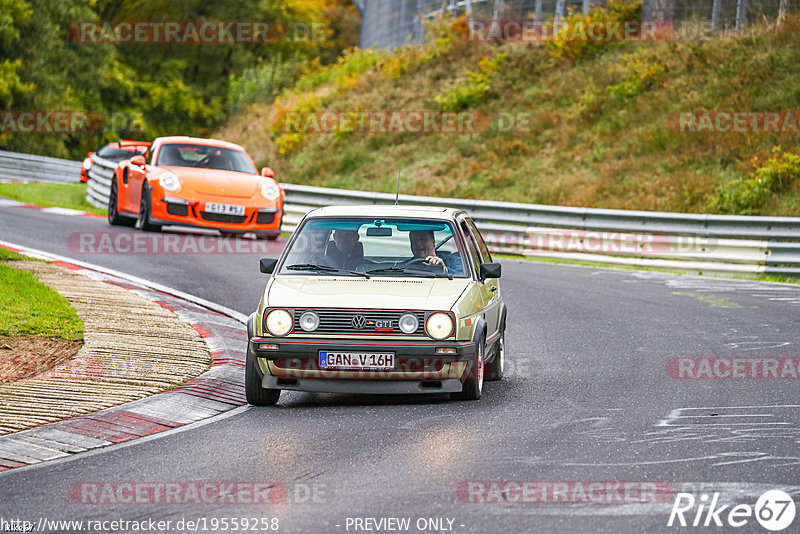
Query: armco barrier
[(720, 244), (15, 166)]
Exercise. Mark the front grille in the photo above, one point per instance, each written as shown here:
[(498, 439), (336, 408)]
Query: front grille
[(341, 321), (181, 210), (223, 217), (265, 218)]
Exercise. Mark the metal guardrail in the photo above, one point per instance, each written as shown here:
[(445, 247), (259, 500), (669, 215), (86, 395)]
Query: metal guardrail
[(684, 242), (27, 167), (722, 244)]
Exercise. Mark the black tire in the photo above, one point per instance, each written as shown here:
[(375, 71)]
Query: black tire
[(495, 367), (114, 217), (253, 391), (473, 384), (144, 212), (272, 237)]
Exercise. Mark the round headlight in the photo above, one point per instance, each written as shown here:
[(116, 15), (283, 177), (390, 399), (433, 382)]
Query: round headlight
[(439, 325), (409, 323), (87, 163), (279, 322), (309, 321), (169, 181), (270, 190)]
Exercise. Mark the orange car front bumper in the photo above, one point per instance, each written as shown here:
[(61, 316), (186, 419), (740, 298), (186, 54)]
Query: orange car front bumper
[(171, 210)]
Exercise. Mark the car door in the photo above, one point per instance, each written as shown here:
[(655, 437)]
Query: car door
[(488, 291)]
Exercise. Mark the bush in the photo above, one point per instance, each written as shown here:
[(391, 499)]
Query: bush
[(570, 40), (640, 74), (471, 89), (262, 83), (742, 197)]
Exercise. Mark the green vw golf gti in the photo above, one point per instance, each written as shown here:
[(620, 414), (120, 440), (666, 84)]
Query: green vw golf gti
[(378, 299)]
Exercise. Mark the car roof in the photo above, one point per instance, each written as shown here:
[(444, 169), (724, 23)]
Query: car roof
[(371, 210), (197, 141)]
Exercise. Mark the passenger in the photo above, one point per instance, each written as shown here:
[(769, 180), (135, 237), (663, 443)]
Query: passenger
[(423, 245), (347, 252)]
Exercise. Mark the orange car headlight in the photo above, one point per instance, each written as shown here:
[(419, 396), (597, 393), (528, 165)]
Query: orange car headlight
[(169, 181), (270, 190)]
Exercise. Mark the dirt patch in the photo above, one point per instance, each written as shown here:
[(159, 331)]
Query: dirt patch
[(25, 356)]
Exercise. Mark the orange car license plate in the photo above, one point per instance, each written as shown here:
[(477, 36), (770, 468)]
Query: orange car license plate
[(227, 209), (356, 360)]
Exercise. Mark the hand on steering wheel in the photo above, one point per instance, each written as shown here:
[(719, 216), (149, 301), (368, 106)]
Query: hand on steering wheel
[(429, 261)]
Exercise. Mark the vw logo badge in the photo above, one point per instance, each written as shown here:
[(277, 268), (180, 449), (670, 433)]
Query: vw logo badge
[(358, 322)]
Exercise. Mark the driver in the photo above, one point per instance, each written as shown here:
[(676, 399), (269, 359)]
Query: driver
[(423, 245)]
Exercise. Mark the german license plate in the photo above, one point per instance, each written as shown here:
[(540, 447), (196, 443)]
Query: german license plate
[(356, 360), (226, 209)]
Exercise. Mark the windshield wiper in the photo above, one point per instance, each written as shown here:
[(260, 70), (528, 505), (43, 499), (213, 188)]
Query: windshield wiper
[(323, 268), (421, 272)]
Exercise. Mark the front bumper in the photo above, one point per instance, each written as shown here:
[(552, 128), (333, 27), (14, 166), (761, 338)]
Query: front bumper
[(294, 364), (172, 210)]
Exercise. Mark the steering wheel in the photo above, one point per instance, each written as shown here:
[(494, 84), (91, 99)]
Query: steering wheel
[(420, 262), (203, 162)]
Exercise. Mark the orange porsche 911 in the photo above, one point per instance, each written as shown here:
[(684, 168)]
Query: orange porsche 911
[(196, 182)]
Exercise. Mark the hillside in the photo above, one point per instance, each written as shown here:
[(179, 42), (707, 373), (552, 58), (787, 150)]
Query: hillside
[(603, 123)]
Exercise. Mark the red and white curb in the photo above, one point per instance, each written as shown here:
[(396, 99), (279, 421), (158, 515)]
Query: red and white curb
[(6, 202), (216, 391)]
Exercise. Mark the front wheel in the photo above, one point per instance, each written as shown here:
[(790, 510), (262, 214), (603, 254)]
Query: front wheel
[(496, 366), (254, 392), (144, 212), (473, 384), (114, 216)]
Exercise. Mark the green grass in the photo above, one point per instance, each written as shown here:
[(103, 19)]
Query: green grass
[(6, 254), (597, 134), (71, 196), (29, 307)]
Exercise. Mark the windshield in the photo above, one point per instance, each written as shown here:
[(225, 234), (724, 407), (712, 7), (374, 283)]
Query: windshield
[(375, 247), (206, 157), (119, 154)]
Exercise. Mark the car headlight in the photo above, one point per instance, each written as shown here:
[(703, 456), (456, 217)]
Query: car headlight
[(270, 190), (309, 321), (409, 323), (169, 181), (439, 326), (87, 163), (279, 322)]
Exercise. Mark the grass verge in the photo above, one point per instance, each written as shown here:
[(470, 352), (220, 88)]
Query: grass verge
[(71, 196), (29, 307)]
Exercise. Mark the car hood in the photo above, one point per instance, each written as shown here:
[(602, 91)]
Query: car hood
[(216, 182), (297, 291)]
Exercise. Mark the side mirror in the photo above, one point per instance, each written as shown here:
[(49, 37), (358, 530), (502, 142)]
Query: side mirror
[(138, 160), (490, 270), (268, 265), (266, 171)]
